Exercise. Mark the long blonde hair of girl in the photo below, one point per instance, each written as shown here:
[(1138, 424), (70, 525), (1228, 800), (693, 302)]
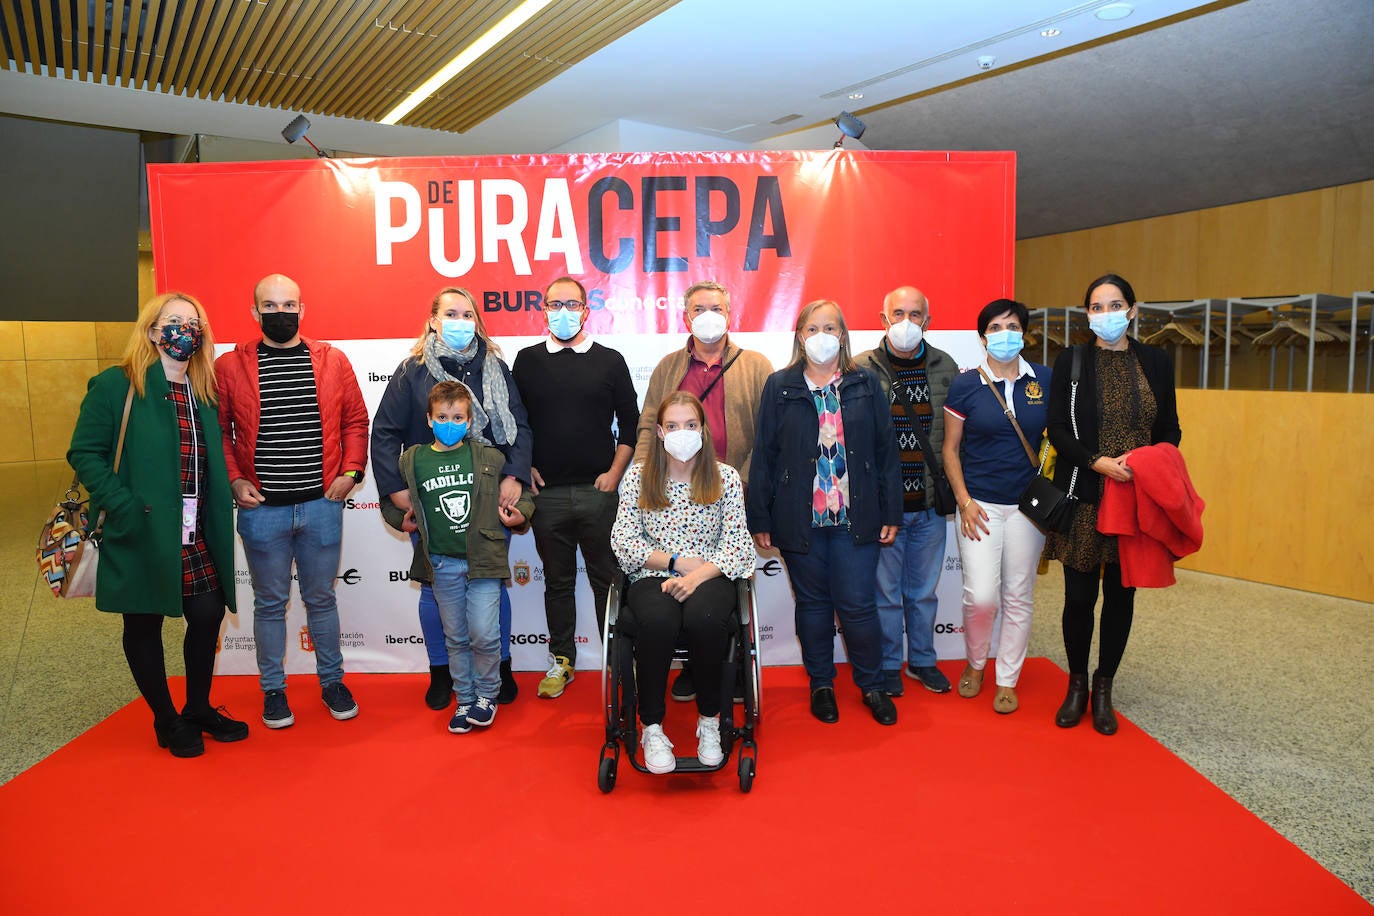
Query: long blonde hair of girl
[(653, 491)]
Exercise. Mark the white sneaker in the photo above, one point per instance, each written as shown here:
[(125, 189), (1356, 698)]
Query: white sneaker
[(708, 741), (658, 750)]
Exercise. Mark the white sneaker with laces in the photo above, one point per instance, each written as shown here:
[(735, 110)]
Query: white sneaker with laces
[(709, 753), (658, 750)]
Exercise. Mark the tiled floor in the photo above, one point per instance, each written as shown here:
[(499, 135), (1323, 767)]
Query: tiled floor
[(1259, 688)]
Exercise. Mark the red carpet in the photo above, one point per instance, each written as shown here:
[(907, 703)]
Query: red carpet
[(955, 810)]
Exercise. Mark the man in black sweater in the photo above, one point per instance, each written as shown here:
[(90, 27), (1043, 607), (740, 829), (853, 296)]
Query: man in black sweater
[(573, 388)]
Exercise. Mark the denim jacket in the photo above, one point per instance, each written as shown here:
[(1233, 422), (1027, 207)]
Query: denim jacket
[(782, 477)]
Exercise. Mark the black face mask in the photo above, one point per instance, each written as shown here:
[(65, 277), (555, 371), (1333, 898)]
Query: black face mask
[(279, 327)]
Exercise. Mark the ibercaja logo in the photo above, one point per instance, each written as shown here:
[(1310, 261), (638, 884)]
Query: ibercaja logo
[(522, 573), (307, 644)]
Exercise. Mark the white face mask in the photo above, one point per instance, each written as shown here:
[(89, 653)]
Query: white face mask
[(821, 348), (905, 335), (682, 444), (708, 327)]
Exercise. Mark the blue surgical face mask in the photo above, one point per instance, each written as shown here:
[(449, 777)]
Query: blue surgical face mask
[(1004, 346), (449, 432), (1109, 325), (457, 332), (564, 323)]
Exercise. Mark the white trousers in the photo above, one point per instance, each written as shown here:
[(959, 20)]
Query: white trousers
[(999, 570)]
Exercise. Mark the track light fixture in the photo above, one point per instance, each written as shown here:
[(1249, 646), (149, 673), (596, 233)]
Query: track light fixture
[(849, 126), (296, 131)]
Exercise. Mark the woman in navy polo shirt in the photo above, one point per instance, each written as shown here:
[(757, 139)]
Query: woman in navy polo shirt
[(988, 467)]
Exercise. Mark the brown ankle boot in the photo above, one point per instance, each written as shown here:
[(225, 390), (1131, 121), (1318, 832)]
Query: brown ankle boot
[(1075, 702), (1104, 717)]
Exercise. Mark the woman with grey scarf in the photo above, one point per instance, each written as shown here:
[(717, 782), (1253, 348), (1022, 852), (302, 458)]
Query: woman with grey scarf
[(453, 347)]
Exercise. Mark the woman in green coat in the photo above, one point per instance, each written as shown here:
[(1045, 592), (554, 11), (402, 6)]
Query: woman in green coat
[(167, 548)]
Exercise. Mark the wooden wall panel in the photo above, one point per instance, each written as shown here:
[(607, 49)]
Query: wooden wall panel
[(1286, 504), (1352, 265), (1316, 241)]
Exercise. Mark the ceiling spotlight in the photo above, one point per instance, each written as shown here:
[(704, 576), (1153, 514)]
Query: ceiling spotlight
[(855, 96), (296, 131), (849, 126), (1049, 33)]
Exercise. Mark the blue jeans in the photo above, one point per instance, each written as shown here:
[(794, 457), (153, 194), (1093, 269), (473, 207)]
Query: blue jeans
[(908, 573), (470, 611), (432, 627), (835, 579), (311, 535)]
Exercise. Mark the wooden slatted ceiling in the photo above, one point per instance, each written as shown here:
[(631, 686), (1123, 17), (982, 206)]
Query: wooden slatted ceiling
[(346, 58)]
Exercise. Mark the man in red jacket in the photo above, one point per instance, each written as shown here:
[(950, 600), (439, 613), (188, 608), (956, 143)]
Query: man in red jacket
[(295, 441)]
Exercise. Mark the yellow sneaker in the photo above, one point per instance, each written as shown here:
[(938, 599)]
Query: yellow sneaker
[(559, 677)]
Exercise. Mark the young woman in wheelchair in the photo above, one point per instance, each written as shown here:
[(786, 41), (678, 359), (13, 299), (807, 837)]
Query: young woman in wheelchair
[(681, 539)]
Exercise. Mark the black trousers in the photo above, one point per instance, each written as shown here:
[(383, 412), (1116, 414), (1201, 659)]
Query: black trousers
[(566, 519), (656, 622), (1118, 610), (143, 649)]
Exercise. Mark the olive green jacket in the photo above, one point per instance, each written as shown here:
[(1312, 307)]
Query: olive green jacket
[(488, 556), (140, 552)]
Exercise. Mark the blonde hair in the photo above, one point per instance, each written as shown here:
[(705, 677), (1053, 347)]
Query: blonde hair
[(418, 350), (799, 349), (140, 353), (653, 490)]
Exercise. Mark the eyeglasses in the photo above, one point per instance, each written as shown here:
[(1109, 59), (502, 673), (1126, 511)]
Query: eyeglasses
[(1097, 308), (172, 321), (267, 305), (555, 304)]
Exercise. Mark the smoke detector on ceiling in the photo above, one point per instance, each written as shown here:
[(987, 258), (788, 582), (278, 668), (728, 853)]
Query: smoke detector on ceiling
[(986, 62)]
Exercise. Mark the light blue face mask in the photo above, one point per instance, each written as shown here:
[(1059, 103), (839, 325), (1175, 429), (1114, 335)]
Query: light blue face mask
[(1110, 325), (564, 323), (450, 433), (457, 332), (1004, 346)]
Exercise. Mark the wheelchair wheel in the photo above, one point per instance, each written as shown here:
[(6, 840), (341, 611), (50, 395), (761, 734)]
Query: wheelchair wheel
[(605, 775), (746, 774)]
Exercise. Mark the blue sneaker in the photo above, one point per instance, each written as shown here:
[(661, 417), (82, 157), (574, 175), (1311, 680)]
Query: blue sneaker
[(483, 712), (340, 701), (459, 724)]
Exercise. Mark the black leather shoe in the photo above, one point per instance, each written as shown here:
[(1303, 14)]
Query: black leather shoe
[(181, 737), (823, 705), (884, 710), (1104, 717), (509, 689), (440, 692), (1075, 702), (217, 725)]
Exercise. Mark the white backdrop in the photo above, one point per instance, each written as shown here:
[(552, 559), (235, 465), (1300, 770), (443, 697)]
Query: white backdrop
[(377, 605)]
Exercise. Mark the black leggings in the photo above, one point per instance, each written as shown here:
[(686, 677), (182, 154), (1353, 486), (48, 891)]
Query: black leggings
[(143, 649), (656, 621), (1118, 608)]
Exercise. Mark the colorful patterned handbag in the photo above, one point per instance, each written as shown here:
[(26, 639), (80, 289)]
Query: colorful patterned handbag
[(68, 548)]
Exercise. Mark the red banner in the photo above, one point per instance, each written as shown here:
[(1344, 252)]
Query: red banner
[(370, 241)]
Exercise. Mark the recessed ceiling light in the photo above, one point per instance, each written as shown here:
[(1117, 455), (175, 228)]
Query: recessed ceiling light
[(1113, 11), (1049, 33), (856, 95)]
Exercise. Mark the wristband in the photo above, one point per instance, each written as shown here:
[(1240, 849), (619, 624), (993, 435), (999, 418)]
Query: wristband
[(672, 565), (353, 474)]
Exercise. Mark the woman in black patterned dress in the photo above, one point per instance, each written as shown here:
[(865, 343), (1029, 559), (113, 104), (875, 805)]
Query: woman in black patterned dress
[(1124, 399)]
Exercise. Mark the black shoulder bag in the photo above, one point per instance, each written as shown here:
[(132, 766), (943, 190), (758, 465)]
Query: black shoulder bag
[(1050, 508)]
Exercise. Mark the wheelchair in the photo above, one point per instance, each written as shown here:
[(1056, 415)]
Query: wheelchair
[(619, 700)]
